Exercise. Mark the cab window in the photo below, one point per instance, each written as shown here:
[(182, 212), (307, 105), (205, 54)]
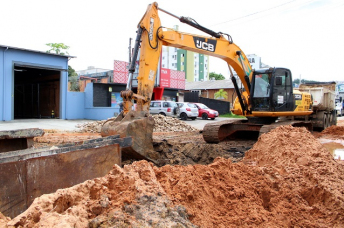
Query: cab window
[(262, 85)]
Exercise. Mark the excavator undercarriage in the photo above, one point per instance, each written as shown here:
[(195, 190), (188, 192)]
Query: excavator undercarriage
[(246, 128)]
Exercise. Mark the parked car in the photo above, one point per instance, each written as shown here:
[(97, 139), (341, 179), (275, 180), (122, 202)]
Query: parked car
[(187, 110), (205, 112), (166, 108)]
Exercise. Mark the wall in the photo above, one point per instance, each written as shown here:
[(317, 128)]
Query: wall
[(221, 106), (7, 59), (96, 113), (80, 106), (231, 95), (75, 105), (190, 69)]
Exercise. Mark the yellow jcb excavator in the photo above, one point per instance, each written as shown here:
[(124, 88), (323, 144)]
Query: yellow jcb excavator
[(266, 96)]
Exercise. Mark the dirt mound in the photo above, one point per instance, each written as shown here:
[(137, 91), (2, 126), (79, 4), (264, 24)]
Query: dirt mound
[(287, 179), (333, 130), (298, 163), (162, 124), (128, 197)]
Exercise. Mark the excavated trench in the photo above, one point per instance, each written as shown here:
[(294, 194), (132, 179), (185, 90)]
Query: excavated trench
[(286, 179)]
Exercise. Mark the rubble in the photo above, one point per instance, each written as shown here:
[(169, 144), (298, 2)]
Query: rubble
[(171, 124), (91, 127), (162, 124)]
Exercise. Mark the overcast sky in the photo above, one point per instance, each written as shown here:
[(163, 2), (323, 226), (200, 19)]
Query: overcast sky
[(306, 36)]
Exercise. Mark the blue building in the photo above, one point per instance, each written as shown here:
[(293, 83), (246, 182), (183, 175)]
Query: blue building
[(33, 84)]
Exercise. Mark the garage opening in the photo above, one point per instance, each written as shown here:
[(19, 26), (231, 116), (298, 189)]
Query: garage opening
[(36, 92)]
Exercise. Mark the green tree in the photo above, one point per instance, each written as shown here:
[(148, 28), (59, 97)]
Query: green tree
[(216, 76), (61, 49), (71, 72), (297, 81), (57, 48), (221, 94), (73, 79)]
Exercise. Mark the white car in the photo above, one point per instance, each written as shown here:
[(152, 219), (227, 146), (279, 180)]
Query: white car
[(187, 110), (165, 108)]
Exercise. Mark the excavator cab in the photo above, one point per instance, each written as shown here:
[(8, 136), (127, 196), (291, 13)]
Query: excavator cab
[(271, 90)]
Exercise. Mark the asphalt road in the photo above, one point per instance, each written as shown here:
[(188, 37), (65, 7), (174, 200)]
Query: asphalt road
[(70, 125), (199, 123)]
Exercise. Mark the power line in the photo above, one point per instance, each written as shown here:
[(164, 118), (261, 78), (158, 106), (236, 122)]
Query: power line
[(302, 4), (254, 13)]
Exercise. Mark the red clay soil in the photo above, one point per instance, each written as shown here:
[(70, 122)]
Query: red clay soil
[(334, 131), (288, 179), (53, 137)]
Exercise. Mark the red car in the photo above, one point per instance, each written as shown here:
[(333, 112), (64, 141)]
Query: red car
[(205, 112)]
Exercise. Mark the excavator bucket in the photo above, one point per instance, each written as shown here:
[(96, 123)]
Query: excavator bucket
[(139, 126)]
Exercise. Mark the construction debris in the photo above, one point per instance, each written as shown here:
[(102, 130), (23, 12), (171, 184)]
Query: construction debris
[(288, 179), (91, 127), (171, 124), (162, 124)]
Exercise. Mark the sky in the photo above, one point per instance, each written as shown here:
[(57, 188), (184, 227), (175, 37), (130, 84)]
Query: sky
[(306, 36)]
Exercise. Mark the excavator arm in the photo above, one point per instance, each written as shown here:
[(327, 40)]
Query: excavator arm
[(151, 36)]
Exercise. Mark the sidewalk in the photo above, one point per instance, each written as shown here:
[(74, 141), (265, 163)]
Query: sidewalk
[(57, 124)]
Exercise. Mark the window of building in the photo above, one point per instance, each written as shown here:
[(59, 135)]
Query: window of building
[(182, 55)]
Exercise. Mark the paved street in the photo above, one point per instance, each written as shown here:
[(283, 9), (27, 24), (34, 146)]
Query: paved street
[(71, 124), (42, 124)]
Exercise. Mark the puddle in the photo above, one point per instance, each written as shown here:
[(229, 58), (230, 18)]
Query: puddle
[(336, 147)]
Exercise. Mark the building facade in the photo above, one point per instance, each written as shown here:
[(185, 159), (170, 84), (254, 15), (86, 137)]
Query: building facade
[(255, 61), (33, 84), (195, 65)]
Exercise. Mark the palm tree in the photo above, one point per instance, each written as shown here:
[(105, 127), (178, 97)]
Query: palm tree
[(221, 94)]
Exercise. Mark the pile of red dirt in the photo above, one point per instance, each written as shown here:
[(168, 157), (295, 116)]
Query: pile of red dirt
[(287, 179), (333, 131)]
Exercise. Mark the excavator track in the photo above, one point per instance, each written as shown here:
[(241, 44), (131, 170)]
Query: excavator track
[(229, 129), (218, 131)]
